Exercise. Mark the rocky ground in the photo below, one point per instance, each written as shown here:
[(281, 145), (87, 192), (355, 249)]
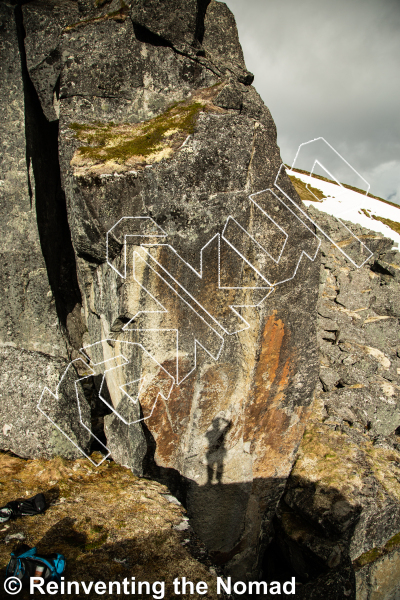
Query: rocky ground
[(338, 525), (109, 524)]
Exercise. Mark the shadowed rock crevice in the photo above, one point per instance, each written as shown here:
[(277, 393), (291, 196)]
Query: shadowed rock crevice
[(175, 482), (146, 36), (202, 6), (300, 547), (45, 189)]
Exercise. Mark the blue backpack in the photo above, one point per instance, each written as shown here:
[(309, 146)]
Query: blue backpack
[(23, 565)]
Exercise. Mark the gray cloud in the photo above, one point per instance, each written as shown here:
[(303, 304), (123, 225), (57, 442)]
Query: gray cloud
[(332, 70)]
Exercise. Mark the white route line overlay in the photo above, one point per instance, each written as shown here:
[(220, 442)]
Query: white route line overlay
[(316, 161), (175, 379), (158, 235), (90, 366), (215, 357)]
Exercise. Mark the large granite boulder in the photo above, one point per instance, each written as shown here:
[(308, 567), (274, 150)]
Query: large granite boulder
[(179, 143), (155, 191)]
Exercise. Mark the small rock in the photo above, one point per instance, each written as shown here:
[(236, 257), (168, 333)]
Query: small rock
[(6, 429), (350, 360), (247, 447), (329, 379), (334, 558), (183, 526), (172, 499), (349, 377), (229, 97), (14, 536)]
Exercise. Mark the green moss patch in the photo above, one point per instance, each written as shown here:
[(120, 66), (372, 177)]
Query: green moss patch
[(376, 553), (126, 145), (367, 558), (92, 519), (393, 543), (121, 142), (394, 226)]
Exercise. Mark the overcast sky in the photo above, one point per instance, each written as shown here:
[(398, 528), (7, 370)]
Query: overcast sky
[(330, 69)]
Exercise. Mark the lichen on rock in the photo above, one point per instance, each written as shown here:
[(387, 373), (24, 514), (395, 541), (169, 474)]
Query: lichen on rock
[(118, 148)]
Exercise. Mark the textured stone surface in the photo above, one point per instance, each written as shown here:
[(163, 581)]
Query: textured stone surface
[(44, 23), (176, 21), (338, 524), (207, 335), (31, 334), (28, 317), (23, 428), (380, 578), (220, 36)]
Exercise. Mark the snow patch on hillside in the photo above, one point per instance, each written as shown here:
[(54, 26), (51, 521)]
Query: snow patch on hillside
[(347, 204)]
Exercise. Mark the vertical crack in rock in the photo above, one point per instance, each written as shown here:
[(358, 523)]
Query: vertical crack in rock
[(55, 236), (202, 6)]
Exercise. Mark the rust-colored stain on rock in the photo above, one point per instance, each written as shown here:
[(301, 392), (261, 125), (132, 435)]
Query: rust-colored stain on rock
[(273, 428)]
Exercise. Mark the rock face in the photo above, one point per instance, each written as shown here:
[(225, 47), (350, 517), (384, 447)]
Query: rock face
[(36, 431), (40, 295), (338, 523), (151, 201)]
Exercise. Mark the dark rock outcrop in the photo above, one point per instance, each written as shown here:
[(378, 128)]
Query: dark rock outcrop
[(338, 523)]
